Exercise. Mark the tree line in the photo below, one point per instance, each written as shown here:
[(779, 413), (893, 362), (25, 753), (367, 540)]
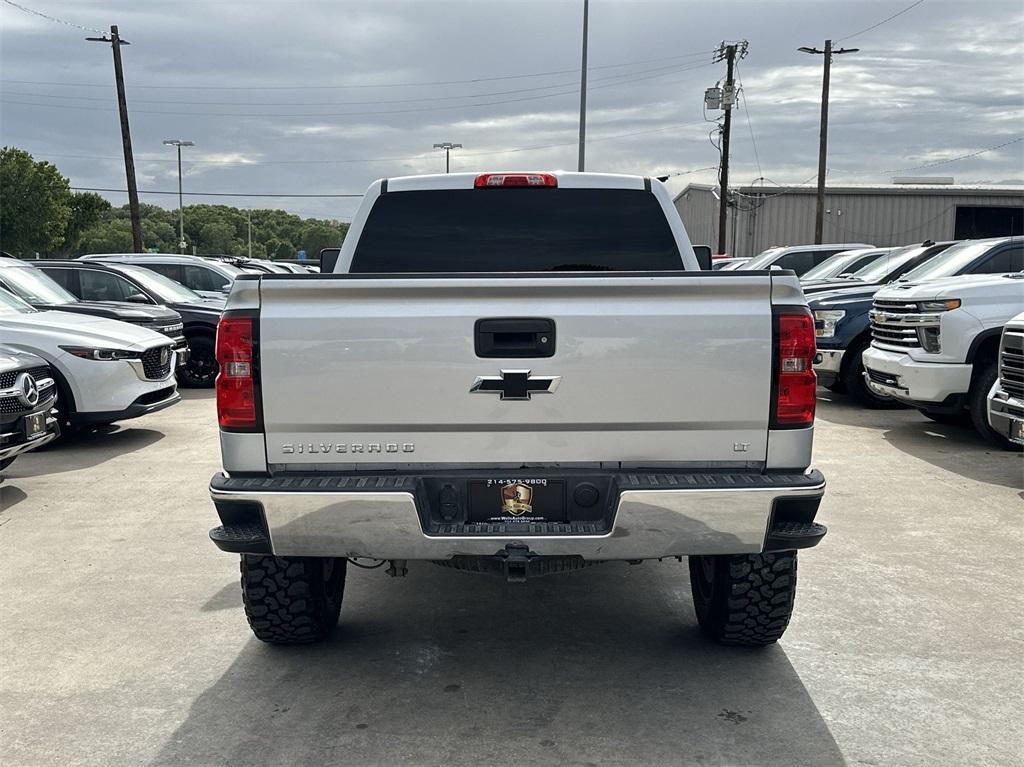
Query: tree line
[(40, 214)]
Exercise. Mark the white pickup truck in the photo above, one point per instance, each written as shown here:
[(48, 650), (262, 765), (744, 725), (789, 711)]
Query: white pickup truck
[(518, 374), (1006, 400), (935, 344)]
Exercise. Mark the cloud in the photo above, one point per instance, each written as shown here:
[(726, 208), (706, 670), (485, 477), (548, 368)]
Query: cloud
[(326, 97)]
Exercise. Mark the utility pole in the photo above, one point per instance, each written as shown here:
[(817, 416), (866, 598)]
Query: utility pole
[(583, 90), (828, 53), (126, 137), (725, 98), (181, 208), (728, 96), (250, 232), (447, 146)]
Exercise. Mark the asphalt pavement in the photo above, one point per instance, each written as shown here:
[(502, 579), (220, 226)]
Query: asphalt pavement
[(123, 642)]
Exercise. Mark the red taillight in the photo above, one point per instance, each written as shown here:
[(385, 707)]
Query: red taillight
[(499, 180), (795, 382), (236, 380)]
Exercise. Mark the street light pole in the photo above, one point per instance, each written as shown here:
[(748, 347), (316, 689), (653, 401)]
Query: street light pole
[(181, 207), (447, 146), (828, 53), (583, 91)]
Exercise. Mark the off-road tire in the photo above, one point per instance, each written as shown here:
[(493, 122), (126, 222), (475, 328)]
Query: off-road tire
[(200, 372), (977, 406), (292, 600), (856, 387), (744, 599)]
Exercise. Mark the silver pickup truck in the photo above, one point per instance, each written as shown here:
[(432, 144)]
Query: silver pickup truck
[(519, 374)]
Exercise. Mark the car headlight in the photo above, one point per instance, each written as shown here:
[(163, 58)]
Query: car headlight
[(107, 355), (940, 306), (825, 322), (930, 338)]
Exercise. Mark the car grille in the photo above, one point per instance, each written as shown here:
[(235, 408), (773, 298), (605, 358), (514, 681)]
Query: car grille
[(8, 377), (891, 332), (166, 327), (1011, 363), (883, 378), (9, 405), (156, 362)]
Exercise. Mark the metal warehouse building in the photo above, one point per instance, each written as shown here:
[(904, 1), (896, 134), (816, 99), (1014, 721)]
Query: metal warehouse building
[(760, 217)]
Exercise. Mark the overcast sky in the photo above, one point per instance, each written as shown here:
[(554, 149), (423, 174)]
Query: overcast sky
[(323, 97)]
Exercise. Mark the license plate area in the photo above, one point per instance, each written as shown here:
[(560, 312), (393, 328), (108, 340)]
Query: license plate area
[(1017, 431), (35, 425), (540, 502), (512, 501)]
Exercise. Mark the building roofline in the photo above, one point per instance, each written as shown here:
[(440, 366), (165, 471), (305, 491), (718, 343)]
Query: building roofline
[(894, 189)]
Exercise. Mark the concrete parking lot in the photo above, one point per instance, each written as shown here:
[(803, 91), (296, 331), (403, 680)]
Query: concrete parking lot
[(123, 642)]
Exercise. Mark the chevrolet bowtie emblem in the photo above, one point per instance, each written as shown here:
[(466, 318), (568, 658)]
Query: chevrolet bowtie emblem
[(515, 384)]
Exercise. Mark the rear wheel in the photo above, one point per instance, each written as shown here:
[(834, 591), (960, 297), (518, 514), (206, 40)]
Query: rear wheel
[(200, 371), (292, 600), (977, 406), (857, 388), (744, 599)]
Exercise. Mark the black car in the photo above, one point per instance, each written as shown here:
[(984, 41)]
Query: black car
[(28, 399), (105, 280), (41, 292)]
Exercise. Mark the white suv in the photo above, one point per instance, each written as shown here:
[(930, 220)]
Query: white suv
[(105, 370), (935, 344)]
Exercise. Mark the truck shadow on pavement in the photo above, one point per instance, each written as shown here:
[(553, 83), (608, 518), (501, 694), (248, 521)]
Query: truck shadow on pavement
[(602, 666)]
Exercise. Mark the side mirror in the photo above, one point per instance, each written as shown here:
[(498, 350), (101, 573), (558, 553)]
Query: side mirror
[(137, 298), (328, 259), (703, 254)]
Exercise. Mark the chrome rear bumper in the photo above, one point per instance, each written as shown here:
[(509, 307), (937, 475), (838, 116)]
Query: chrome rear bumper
[(697, 514)]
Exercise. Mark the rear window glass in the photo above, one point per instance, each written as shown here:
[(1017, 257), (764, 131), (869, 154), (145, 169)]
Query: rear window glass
[(516, 230)]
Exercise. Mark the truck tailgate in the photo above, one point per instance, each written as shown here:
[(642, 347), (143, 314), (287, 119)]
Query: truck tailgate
[(359, 369)]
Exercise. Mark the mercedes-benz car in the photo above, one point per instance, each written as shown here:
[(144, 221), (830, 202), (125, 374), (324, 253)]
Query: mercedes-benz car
[(28, 398)]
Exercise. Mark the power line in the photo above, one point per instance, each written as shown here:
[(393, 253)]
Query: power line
[(750, 126), (54, 19), (422, 156), (883, 21), (362, 113), (206, 194), (666, 70), (261, 88), (954, 159)]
